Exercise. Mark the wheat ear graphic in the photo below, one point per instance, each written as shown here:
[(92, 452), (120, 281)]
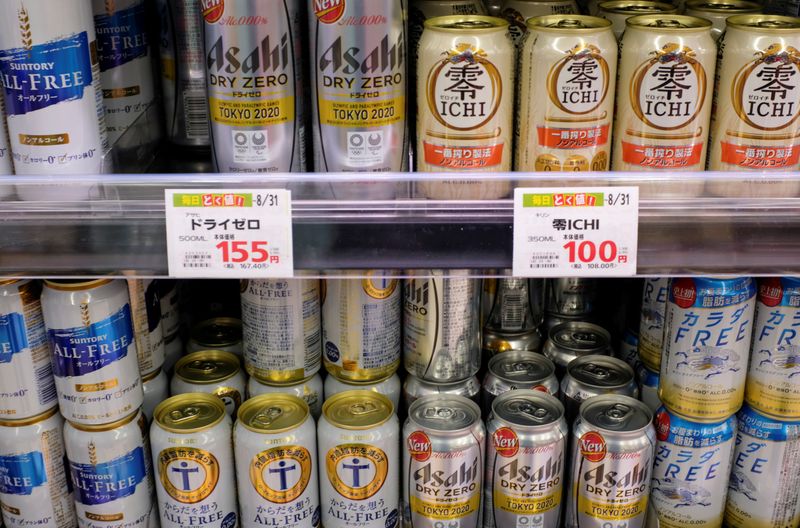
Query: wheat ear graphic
[(111, 6), (92, 454), (85, 319), (25, 28)]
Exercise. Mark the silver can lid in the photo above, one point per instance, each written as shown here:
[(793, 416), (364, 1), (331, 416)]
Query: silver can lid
[(444, 413), (581, 337), (601, 371), (613, 412), (527, 408), (518, 367)]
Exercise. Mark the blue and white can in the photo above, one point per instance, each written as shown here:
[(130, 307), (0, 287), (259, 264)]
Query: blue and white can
[(126, 69), (6, 165), (27, 388), (93, 350), (648, 388), (651, 324), (690, 473), (112, 473), (51, 78), (629, 349), (765, 477), (33, 482)]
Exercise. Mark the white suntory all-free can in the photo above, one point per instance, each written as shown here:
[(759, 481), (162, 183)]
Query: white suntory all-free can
[(525, 460), (112, 473), (214, 372), (34, 489), (572, 63), (256, 84), (443, 463), (706, 346), (193, 460), (6, 162), (359, 453), (93, 352), (772, 384), (361, 326), (756, 125), (762, 491), (282, 330), (156, 389), (275, 443), (51, 75), (465, 105), (126, 68), (690, 473), (310, 390), (359, 61), (26, 376), (147, 328), (613, 445)]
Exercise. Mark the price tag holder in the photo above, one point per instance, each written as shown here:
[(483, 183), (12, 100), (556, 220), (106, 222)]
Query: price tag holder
[(574, 231), (229, 233)]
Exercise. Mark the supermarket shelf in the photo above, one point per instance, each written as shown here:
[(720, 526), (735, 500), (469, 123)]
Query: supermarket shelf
[(116, 223)]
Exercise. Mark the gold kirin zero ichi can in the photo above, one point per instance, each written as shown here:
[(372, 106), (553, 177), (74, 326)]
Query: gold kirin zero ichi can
[(572, 64), (755, 126), (718, 11), (664, 99), (518, 12), (255, 83), (465, 96), (358, 54), (619, 11)]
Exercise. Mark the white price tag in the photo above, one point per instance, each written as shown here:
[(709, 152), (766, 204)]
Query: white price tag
[(229, 233), (574, 231)]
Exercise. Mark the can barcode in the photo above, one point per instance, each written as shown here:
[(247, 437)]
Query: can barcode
[(46, 384), (195, 110)]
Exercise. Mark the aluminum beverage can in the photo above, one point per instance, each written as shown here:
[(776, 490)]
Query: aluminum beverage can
[(590, 376), (93, 352), (126, 62), (707, 343), (255, 84), (359, 70), (770, 387), (147, 328), (619, 11), (690, 473), (361, 326), (569, 341), (183, 73), (26, 375), (465, 105), (518, 12), (6, 161), (213, 372), (628, 350), (514, 316), (765, 474), (169, 295), (525, 458), (663, 107), (755, 128), (613, 446), (359, 451), (552, 320), (112, 472), (275, 447), (281, 329), (54, 103), (571, 296), (517, 370), (156, 389), (421, 10), (35, 489), (441, 327), (415, 388), (390, 387), (718, 11), (309, 390), (651, 324), (572, 62), (193, 461), (648, 388), (443, 463), (173, 350), (218, 333)]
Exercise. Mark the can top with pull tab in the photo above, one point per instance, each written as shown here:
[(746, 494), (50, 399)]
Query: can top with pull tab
[(520, 367), (189, 413), (527, 408), (207, 366), (573, 23), (75, 284), (670, 23), (613, 412), (444, 413), (603, 372), (471, 23), (764, 23), (273, 413), (358, 409), (217, 332)]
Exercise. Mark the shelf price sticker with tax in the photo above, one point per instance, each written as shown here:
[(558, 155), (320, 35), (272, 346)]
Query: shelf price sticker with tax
[(229, 233), (576, 231)]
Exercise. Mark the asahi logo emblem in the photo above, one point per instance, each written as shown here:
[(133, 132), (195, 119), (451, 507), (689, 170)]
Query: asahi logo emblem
[(213, 10), (578, 83), (329, 11), (766, 91), (464, 89), (668, 90)]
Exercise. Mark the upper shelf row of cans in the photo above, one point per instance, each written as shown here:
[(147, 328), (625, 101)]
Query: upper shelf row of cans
[(335, 86)]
